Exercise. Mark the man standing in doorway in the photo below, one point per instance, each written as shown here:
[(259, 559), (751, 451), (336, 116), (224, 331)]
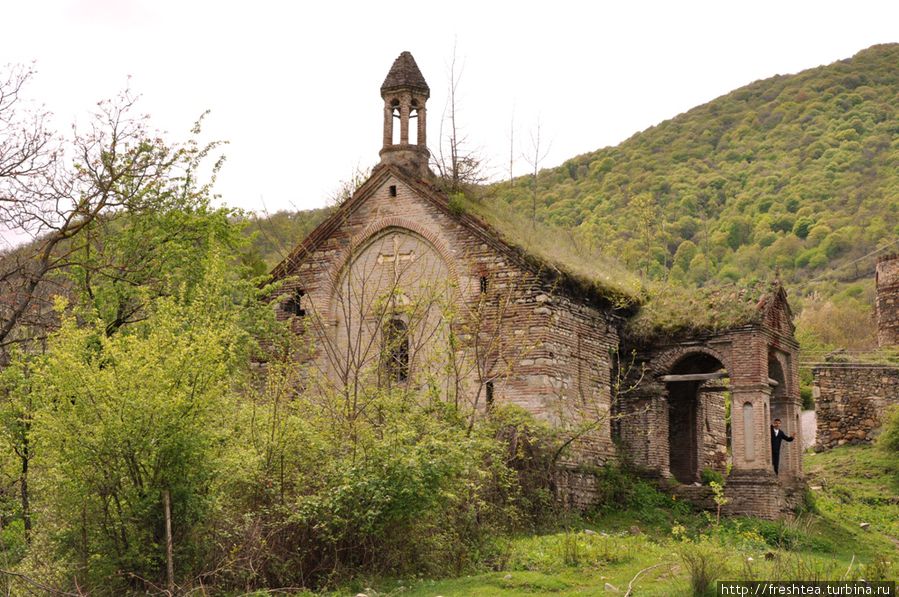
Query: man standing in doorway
[(777, 436)]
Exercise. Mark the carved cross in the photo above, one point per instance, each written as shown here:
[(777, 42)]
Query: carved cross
[(396, 257)]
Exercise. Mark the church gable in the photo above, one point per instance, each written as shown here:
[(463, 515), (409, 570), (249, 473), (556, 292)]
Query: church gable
[(776, 313)]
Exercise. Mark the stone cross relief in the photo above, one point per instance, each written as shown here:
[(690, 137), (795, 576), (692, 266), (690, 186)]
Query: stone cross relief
[(396, 258)]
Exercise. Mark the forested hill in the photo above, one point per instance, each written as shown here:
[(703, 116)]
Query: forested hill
[(797, 172)]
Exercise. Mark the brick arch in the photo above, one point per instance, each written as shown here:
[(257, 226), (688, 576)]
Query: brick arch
[(375, 229), (666, 361), (781, 359)]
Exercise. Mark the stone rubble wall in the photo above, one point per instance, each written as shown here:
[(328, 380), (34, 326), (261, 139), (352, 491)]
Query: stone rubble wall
[(887, 304), (850, 400)]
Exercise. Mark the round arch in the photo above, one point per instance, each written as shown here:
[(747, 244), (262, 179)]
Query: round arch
[(696, 400), (371, 234), (670, 359)]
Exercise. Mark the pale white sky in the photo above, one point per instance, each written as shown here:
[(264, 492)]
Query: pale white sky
[(294, 86)]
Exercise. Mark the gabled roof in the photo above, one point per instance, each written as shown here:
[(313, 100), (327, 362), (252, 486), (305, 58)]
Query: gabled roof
[(552, 271), (774, 310), (405, 74)]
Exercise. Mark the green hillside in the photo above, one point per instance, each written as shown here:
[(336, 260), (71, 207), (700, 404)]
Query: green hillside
[(796, 173)]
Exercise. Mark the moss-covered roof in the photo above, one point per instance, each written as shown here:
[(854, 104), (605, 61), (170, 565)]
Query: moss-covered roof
[(660, 309), (557, 251), (672, 311)]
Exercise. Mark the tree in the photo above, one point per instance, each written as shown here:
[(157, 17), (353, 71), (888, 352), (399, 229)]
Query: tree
[(457, 165), (133, 430), (104, 211), (535, 158)]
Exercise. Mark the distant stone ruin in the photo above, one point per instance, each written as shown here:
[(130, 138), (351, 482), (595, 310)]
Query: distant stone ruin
[(851, 397), (887, 280)]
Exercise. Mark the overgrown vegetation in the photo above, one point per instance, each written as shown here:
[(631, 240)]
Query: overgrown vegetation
[(792, 173), (162, 433), (658, 546)]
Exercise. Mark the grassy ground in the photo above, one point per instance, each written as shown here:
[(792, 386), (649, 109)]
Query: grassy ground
[(659, 546)]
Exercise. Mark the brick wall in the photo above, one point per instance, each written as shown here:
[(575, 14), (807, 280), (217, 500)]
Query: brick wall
[(850, 400)]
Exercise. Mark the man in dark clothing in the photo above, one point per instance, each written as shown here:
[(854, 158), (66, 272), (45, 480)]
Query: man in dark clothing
[(777, 436)]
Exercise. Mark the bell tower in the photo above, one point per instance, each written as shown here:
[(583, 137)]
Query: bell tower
[(405, 93)]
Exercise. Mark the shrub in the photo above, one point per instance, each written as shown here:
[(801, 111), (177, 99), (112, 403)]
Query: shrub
[(707, 476), (457, 204), (704, 564)]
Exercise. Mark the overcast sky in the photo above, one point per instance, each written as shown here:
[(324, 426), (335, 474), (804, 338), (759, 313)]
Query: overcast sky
[(294, 86)]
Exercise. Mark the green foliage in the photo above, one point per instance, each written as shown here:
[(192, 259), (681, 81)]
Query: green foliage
[(702, 560), (793, 172), (671, 308), (457, 203), (123, 418), (709, 476), (410, 488), (275, 235), (620, 490)]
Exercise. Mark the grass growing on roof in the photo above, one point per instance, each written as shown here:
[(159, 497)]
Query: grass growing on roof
[(556, 248), (672, 309)]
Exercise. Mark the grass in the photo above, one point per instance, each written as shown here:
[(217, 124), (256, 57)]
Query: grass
[(665, 540)]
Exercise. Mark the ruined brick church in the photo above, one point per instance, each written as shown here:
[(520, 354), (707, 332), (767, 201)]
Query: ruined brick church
[(402, 288)]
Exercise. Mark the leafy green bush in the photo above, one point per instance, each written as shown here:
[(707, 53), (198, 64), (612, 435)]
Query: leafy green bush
[(707, 476), (619, 489)]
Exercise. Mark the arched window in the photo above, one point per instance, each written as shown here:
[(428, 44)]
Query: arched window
[(396, 349)]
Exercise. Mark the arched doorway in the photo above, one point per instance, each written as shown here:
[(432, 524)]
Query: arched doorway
[(781, 409), (697, 412)]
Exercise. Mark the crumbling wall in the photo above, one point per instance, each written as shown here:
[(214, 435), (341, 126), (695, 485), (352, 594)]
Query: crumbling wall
[(850, 400), (887, 279)]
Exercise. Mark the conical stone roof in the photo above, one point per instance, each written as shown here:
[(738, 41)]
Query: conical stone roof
[(404, 74)]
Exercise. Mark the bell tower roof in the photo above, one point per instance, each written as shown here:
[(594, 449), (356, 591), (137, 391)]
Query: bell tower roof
[(404, 74)]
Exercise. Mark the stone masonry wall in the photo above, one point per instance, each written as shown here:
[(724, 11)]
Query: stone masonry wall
[(887, 277), (850, 401), (712, 428)]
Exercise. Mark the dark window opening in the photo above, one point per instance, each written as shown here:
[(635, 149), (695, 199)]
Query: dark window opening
[(294, 304), (483, 284), (397, 340), (489, 391), (393, 190)]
